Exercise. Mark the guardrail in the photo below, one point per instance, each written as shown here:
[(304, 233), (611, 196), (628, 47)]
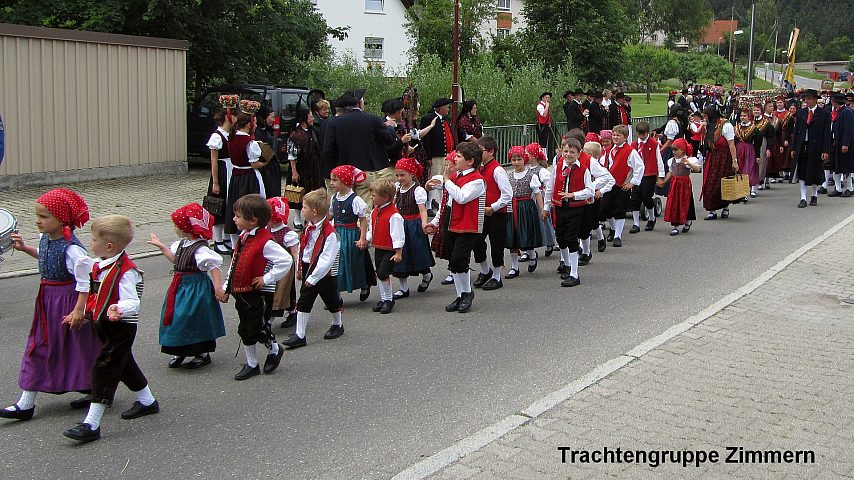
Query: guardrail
[(508, 135)]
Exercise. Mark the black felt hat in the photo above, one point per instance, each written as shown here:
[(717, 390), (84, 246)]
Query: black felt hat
[(810, 92), (441, 102), (392, 105)]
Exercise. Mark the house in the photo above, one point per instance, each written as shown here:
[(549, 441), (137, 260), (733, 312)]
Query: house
[(717, 33), (508, 20), (658, 38)]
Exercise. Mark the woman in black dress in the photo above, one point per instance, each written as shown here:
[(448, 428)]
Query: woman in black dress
[(304, 157), (272, 172)]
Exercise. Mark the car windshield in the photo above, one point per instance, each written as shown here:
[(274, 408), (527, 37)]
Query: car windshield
[(291, 102)]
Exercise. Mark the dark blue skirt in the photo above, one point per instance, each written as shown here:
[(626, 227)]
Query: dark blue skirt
[(197, 318), (351, 263), (524, 226), (417, 257)]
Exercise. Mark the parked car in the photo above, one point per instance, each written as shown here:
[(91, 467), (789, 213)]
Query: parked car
[(843, 75), (285, 101)]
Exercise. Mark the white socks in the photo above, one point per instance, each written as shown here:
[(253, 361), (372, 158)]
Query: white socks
[(251, 358), (385, 289), (837, 181), (336, 319), (404, 284), (600, 234), (93, 418), (803, 190), (235, 237), (274, 348), (612, 222), (753, 190), (636, 217), (462, 283), (618, 227), (496, 273), (297, 217), (651, 214), (27, 401), (144, 396), (218, 231), (427, 277), (585, 246), (564, 255), (484, 267), (573, 264), (827, 177), (514, 261), (302, 321)]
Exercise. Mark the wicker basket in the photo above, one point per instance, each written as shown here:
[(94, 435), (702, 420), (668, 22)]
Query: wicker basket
[(294, 193), (735, 187)]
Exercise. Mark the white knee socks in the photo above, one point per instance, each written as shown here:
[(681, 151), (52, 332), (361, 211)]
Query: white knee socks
[(514, 261), (651, 214), (618, 227), (93, 417), (302, 321), (218, 231), (573, 264), (336, 319), (803, 189), (297, 217), (496, 273), (385, 289), (585, 246), (636, 218), (612, 222), (462, 283), (144, 396), (564, 255), (251, 358), (404, 284), (827, 177), (484, 267), (600, 233), (837, 181)]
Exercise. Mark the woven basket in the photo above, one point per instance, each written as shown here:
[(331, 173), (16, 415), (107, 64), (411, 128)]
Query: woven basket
[(735, 187), (294, 193)]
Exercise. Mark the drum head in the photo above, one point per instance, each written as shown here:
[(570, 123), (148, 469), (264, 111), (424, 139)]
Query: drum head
[(7, 221)]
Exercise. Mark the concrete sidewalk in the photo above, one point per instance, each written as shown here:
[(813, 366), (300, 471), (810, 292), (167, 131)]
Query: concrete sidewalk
[(773, 371), (148, 201)]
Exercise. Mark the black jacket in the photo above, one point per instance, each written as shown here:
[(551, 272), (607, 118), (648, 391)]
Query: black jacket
[(598, 117), (614, 117), (356, 138), (574, 114), (434, 141)]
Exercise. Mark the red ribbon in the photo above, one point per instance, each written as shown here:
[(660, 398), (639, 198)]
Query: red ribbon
[(449, 137), (414, 216), (43, 317)]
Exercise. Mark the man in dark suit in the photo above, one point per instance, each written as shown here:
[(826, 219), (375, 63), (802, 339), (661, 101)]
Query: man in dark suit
[(811, 146), (359, 139), (438, 142), (574, 109), (598, 116), (842, 132), (618, 112)]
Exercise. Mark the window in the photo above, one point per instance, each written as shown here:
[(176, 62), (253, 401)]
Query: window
[(504, 5), (501, 33), (373, 48), (374, 5)]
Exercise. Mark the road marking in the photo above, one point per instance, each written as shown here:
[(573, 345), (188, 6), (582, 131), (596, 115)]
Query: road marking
[(484, 437)]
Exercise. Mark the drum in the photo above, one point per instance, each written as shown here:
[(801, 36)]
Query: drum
[(8, 226)]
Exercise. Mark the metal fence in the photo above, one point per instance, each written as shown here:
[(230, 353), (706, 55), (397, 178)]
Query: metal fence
[(508, 135)]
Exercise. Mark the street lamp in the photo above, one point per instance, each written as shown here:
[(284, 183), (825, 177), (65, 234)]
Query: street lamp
[(734, 44), (766, 66), (782, 56)]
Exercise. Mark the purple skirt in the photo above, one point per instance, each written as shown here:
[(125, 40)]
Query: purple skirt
[(58, 359), (747, 161)]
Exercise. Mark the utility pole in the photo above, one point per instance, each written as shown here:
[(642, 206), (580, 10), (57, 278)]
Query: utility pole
[(731, 43), (750, 72), (455, 88), (774, 61)]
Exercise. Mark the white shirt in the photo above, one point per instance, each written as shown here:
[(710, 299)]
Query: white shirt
[(279, 261), (691, 161), (128, 302), (671, 129), (506, 196), (73, 255), (606, 103), (535, 183), (583, 194), (327, 257), (541, 108), (602, 178), (728, 131), (253, 150), (635, 163), (398, 237), (215, 142), (469, 191), (660, 162), (360, 208), (206, 259), (291, 238), (420, 193)]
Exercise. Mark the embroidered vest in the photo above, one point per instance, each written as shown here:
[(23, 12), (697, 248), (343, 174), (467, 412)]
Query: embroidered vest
[(381, 226), (105, 292), (493, 193), (279, 235), (52, 258), (544, 119), (575, 183), (649, 152), (467, 217), (618, 159), (406, 205), (325, 231), (342, 212), (185, 257), (522, 186), (249, 262), (237, 152)]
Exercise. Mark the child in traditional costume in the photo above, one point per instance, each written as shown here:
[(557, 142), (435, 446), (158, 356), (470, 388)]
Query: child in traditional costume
[(411, 202), (680, 201), (524, 223), (285, 298), (385, 233), (350, 214)]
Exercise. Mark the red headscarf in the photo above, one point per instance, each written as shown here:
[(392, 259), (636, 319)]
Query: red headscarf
[(409, 165), (606, 134), (349, 174), (280, 209), (683, 145), (592, 137), (68, 207), (535, 151), (194, 219), (518, 150)]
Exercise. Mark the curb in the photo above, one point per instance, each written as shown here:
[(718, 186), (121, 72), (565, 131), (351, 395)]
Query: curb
[(35, 271), (484, 437)]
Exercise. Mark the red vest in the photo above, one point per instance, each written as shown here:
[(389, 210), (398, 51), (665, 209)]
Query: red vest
[(108, 290), (576, 182), (648, 151), (250, 261), (325, 231), (493, 193), (381, 226), (620, 167), (544, 119), (237, 151), (467, 217)]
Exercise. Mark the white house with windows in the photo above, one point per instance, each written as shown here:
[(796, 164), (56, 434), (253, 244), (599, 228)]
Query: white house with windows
[(508, 19), (376, 34)]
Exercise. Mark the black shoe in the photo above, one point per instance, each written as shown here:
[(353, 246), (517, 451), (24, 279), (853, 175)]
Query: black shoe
[(17, 413), (176, 362), (560, 267), (649, 226), (802, 204), (378, 306), (425, 284), (272, 361), (611, 234), (453, 306), (532, 264), (81, 403), (465, 302), (549, 250), (813, 201), (294, 341), (222, 249), (388, 305), (83, 433), (584, 259), (198, 362), (570, 282), (139, 410), (400, 294), (674, 232), (714, 216), (482, 278), (822, 191), (449, 280), (618, 242), (602, 245), (512, 273), (634, 229), (524, 257), (290, 321), (846, 194), (565, 273), (247, 372), (334, 331), (725, 213), (686, 227), (835, 193), (492, 284), (364, 294)]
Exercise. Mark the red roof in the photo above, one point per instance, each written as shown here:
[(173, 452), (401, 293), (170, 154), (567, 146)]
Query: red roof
[(717, 31)]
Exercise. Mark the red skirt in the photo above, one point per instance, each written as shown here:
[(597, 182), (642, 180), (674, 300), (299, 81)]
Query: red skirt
[(680, 201)]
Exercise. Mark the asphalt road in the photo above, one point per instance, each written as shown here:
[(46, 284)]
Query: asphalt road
[(801, 82), (397, 387)]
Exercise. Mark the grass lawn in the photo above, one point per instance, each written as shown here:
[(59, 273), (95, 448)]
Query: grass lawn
[(657, 104), (813, 75), (761, 84)]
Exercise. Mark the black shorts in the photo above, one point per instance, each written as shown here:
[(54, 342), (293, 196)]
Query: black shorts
[(460, 246), (567, 225), (383, 263)]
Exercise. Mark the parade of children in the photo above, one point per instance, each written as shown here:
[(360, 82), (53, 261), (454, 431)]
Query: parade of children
[(87, 305)]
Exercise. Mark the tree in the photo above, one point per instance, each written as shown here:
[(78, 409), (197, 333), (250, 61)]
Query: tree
[(648, 65), (837, 49), (678, 19), (588, 29), (430, 25)]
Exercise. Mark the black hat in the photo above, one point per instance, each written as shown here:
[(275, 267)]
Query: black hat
[(392, 105), (441, 102), (590, 93), (597, 95), (628, 98), (838, 98), (346, 100), (544, 94), (620, 95), (357, 93), (810, 92), (567, 94), (849, 96), (578, 91)]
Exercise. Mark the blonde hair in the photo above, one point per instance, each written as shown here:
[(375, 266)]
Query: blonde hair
[(594, 149), (606, 92), (322, 103), (117, 229), (383, 187), (621, 129), (316, 200)]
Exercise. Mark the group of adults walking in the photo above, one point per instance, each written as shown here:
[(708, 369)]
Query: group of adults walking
[(600, 110)]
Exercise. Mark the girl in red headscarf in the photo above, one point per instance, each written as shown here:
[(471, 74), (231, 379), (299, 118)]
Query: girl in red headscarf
[(191, 319), (411, 202), (61, 346), (540, 166), (680, 201), (524, 224), (285, 298), (351, 216)]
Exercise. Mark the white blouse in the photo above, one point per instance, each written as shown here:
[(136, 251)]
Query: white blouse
[(206, 259)]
